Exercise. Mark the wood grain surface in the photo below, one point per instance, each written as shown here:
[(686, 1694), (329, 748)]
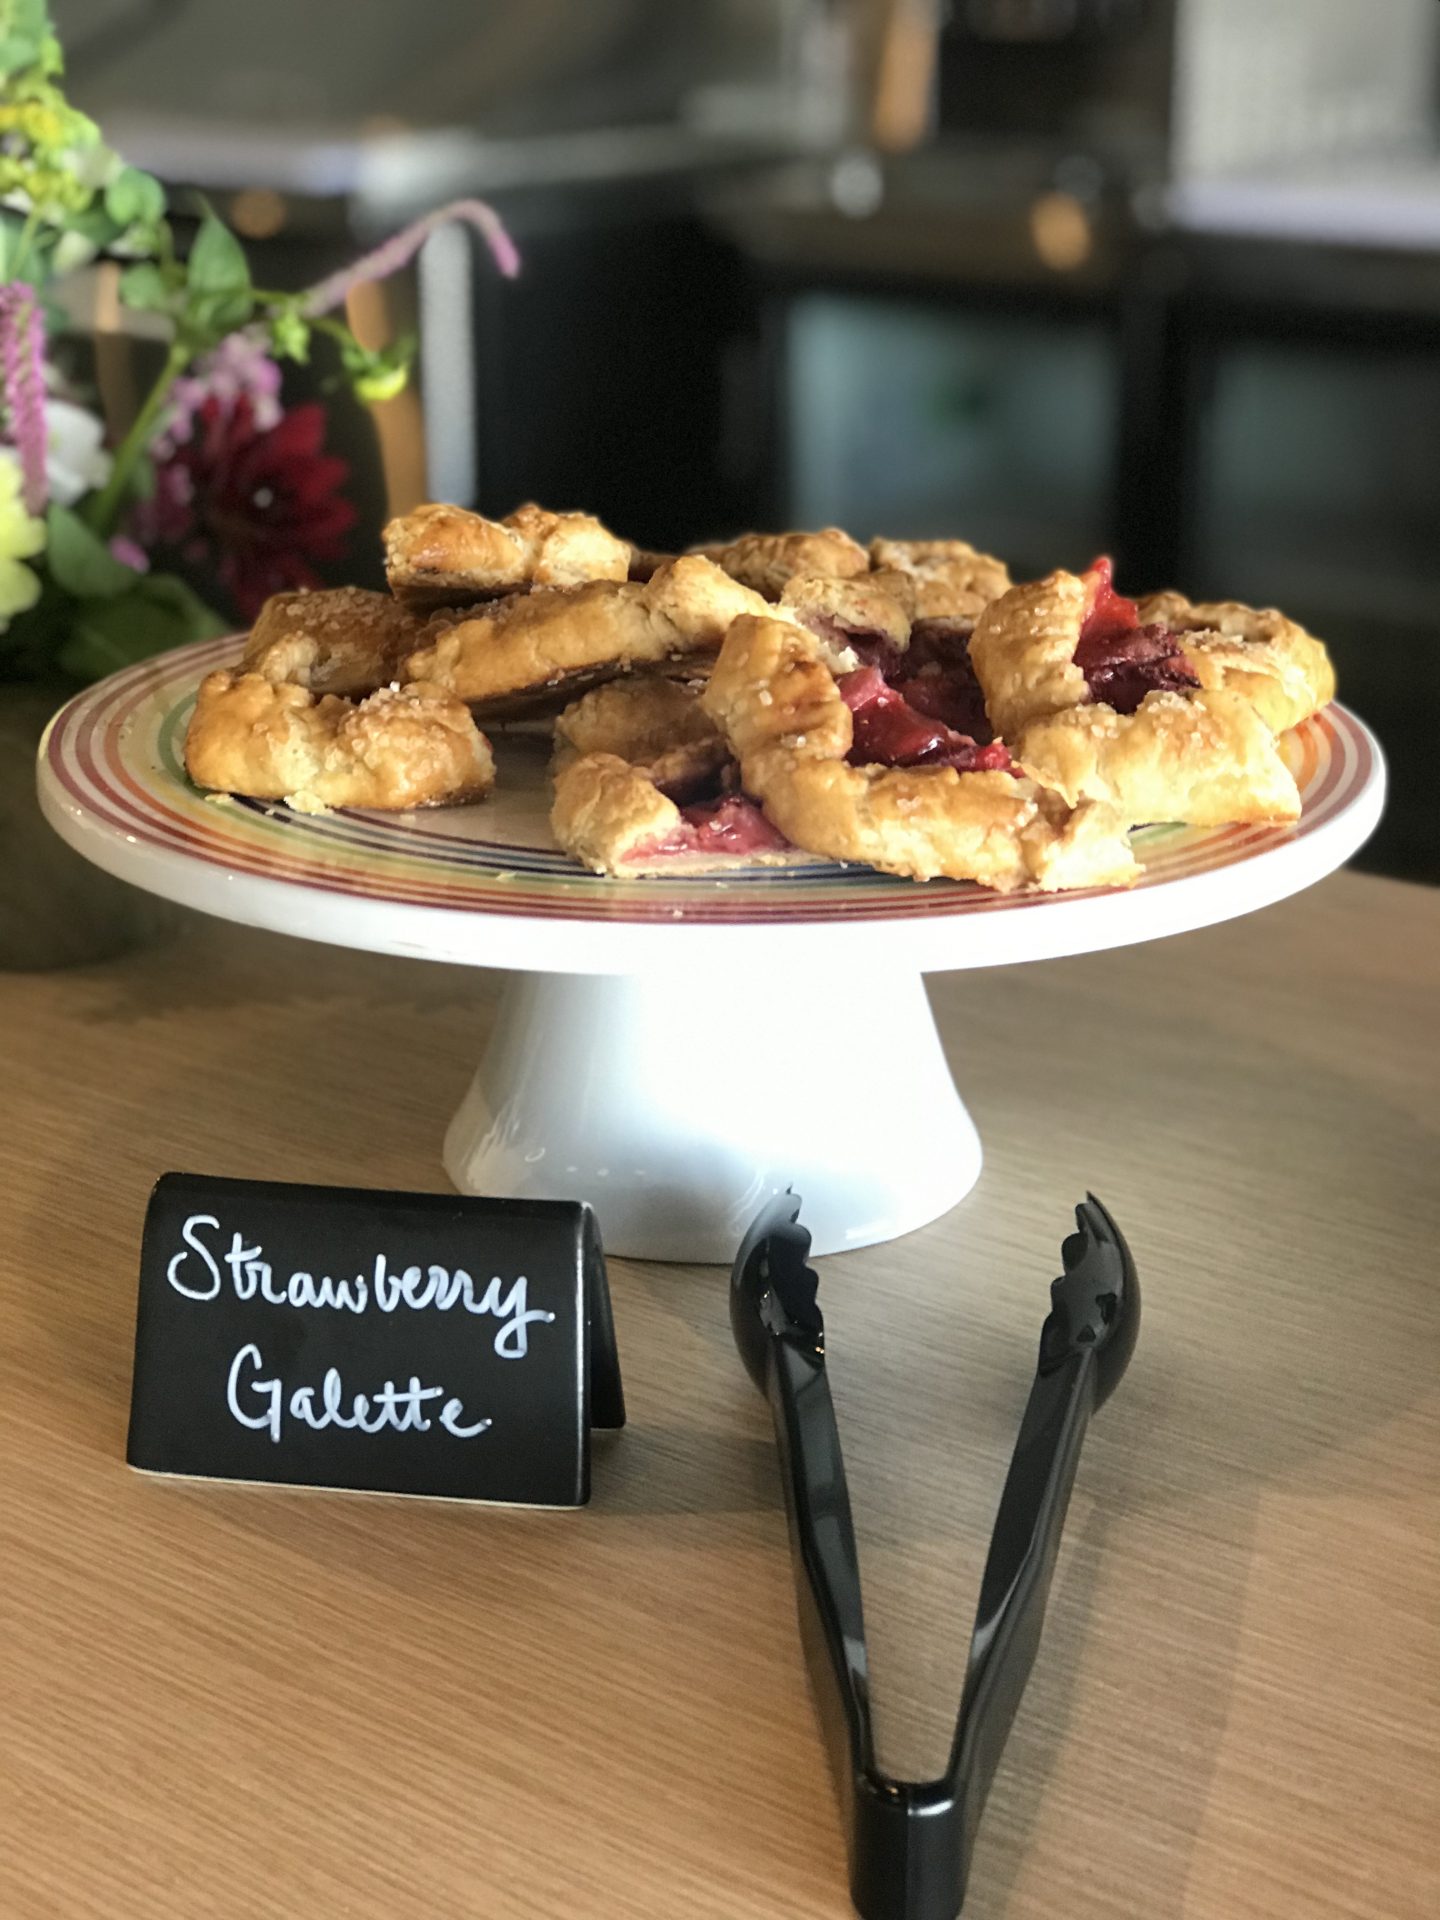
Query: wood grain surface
[(221, 1701)]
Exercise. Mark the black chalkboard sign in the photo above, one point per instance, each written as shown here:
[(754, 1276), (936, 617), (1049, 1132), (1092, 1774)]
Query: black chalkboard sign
[(393, 1342)]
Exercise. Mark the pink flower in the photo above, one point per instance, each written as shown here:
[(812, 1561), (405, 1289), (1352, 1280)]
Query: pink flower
[(238, 367), (22, 371), (129, 554)]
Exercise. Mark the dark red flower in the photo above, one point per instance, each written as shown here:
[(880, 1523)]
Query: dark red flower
[(256, 508)]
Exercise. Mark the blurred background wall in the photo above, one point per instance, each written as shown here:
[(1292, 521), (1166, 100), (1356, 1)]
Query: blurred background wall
[(1153, 277)]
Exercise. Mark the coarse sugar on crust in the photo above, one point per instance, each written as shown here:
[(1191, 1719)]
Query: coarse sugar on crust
[(442, 555), (1283, 671), (951, 580), (342, 640), (402, 747), (781, 709), (1161, 747), (558, 641), (655, 724), (1206, 759), (767, 562), (837, 609), (1023, 651)]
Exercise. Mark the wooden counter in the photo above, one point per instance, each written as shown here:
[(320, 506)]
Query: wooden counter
[(220, 1701)]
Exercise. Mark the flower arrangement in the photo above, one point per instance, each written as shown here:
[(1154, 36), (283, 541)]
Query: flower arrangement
[(213, 477)]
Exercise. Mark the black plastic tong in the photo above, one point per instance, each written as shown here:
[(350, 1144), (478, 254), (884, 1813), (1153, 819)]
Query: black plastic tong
[(910, 1841)]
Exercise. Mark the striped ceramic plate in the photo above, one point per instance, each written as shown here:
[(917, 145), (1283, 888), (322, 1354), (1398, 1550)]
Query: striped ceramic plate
[(456, 883)]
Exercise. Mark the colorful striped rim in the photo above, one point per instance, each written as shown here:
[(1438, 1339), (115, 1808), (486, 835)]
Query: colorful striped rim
[(114, 755)]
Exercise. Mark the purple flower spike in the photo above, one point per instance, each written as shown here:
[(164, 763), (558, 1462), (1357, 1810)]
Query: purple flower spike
[(22, 367), (402, 247)]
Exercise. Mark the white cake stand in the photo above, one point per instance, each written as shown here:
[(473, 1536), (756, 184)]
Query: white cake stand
[(672, 1051)]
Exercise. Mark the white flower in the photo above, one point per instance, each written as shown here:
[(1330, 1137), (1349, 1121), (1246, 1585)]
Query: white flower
[(72, 250), (93, 166), (75, 461)]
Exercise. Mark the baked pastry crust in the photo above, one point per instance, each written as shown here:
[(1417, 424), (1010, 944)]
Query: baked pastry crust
[(836, 608), (656, 725), (439, 555), (553, 640), (402, 747), (611, 816), (767, 562), (951, 579), (342, 640), (777, 703), (1283, 671), (1023, 651), (1203, 758)]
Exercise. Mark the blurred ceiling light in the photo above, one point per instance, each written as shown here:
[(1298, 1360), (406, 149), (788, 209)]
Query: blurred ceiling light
[(857, 185), (258, 212), (1060, 229)]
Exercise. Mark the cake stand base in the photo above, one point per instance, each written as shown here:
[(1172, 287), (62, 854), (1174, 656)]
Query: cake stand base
[(677, 1104)]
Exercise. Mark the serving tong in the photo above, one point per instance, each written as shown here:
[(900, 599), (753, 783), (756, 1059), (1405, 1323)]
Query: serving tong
[(910, 1842)]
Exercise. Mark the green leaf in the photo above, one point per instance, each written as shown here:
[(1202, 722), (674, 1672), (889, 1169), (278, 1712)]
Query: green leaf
[(158, 613), (80, 561), (145, 287), (290, 335), (134, 196), (24, 30), (214, 315), (217, 263), (12, 225)]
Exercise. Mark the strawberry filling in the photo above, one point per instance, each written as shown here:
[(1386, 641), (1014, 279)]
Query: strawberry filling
[(935, 676), (732, 826), (1121, 660), (890, 732)]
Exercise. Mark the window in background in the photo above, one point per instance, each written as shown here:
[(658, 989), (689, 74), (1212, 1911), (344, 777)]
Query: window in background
[(1317, 489), (923, 421)]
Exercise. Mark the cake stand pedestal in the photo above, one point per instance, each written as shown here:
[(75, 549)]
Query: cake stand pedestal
[(677, 1105), (673, 1051)]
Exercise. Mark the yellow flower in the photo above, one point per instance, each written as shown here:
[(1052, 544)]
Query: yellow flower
[(21, 538), (40, 125)]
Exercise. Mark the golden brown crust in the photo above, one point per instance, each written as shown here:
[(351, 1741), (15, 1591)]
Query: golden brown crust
[(553, 639), (832, 606), (1203, 758), (656, 725), (402, 747), (777, 703), (610, 816), (342, 640), (767, 562), (951, 579), (1283, 671), (439, 555), (1023, 651)]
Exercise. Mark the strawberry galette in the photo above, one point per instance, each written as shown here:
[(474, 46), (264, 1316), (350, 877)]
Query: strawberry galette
[(400, 748), (775, 699), (443, 556), (644, 784), (1099, 704), (549, 644), (342, 640), (768, 562), (843, 765)]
